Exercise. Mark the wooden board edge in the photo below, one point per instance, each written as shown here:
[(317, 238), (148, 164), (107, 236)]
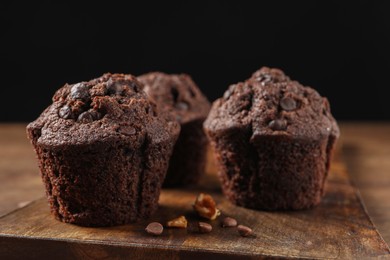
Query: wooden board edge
[(21, 208), (363, 206), (360, 199), (14, 247)]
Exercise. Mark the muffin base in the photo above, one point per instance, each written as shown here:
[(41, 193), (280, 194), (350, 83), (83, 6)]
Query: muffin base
[(272, 172), (103, 184)]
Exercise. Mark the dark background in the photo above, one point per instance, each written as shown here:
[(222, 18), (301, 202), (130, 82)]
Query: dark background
[(341, 48)]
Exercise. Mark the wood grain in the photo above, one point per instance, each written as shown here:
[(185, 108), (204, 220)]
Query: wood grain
[(20, 182), (366, 151), (338, 228)]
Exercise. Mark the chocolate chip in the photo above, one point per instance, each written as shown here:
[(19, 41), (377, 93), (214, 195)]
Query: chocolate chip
[(264, 79), (227, 94), (244, 231), (115, 87), (229, 222), (182, 106), (79, 91), (229, 91), (127, 130), (85, 117), (154, 228), (204, 227), (65, 112), (95, 114), (288, 104), (278, 124)]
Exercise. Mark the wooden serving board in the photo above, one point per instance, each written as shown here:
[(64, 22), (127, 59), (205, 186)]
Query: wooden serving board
[(338, 228)]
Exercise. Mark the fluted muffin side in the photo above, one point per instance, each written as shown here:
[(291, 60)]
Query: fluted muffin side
[(103, 151), (273, 140)]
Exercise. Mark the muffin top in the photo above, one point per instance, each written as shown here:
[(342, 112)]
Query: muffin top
[(112, 106), (270, 104), (177, 94)]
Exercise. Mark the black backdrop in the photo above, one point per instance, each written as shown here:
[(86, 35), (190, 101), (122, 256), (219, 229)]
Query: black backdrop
[(341, 48)]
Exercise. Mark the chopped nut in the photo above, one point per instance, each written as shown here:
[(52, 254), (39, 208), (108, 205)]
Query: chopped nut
[(205, 206), (204, 227), (229, 222), (244, 231), (154, 228), (180, 222)]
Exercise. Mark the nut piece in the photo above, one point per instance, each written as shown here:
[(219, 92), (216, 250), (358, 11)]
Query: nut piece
[(244, 231), (204, 227), (180, 222), (154, 228), (229, 222), (205, 206)]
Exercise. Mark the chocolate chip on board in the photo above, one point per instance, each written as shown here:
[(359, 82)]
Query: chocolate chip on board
[(229, 222), (204, 227), (244, 231), (154, 228)]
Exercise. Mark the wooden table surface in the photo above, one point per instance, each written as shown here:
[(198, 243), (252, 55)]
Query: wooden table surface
[(365, 147)]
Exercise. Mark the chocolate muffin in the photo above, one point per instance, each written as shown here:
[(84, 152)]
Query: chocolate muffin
[(103, 151), (181, 97), (273, 140)]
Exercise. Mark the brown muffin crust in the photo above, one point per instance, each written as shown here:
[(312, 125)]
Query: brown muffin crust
[(273, 139), (178, 95), (103, 151), (270, 95)]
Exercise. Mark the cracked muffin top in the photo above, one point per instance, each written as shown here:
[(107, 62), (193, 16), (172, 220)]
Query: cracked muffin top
[(112, 106), (270, 104), (177, 94)]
